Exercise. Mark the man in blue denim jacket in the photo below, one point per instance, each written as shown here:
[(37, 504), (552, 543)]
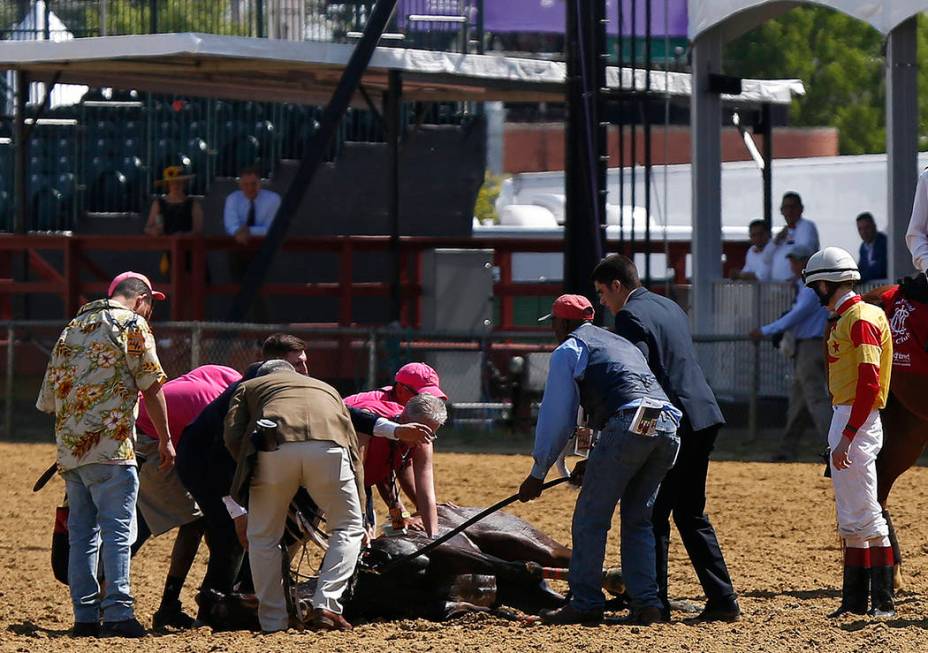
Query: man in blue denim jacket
[(610, 378)]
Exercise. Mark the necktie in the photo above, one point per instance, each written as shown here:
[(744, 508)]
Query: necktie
[(250, 220)]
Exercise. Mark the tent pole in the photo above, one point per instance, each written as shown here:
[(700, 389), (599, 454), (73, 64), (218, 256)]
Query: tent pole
[(21, 216), (392, 111), (312, 158)]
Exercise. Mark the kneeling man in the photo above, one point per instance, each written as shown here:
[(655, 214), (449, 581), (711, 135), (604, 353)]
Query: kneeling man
[(637, 443), (316, 448)]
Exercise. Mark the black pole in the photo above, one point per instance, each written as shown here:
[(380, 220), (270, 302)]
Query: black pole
[(585, 141), (621, 121), (153, 16), (647, 144), (21, 216), (259, 18), (767, 128), (393, 119), (312, 157), (633, 124), (481, 34)]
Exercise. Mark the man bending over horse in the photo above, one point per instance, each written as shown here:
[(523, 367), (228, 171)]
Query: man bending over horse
[(860, 354)]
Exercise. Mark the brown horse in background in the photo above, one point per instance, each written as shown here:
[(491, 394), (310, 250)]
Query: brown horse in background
[(905, 423)]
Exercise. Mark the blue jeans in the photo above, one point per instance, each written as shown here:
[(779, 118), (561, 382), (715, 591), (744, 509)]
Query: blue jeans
[(629, 468), (102, 507)]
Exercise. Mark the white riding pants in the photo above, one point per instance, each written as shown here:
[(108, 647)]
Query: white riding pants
[(860, 517)]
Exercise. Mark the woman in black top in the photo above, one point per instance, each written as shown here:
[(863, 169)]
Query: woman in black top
[(175, 212)]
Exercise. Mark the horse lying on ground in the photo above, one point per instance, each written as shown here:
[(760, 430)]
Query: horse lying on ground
[(498, 563)]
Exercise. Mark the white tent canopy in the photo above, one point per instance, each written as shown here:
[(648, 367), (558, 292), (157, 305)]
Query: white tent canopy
[(306, 72), (740, 16)]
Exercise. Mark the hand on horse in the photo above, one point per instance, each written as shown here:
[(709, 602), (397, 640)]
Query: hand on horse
[(530, 488), (756, 334), (839, 457), (241, 530), (414, 523), (167, 455), (576, 476), (413, 434)]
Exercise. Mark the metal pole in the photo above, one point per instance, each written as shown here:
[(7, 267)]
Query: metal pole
[(312, 158), (621, 120), (372, 360), (153, 16), (647, 145), (480, 27), (767, 129), (901, 147), (10, 375), (21, 217), (259, 18), (392, 111), (196, 343)]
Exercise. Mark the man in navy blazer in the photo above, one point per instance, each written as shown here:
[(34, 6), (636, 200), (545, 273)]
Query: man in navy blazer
[(660, 329), (872, 259)]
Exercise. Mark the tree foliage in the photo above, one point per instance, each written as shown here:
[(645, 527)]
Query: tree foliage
[(841, 62)]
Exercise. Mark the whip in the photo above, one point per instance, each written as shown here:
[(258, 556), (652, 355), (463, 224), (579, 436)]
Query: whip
[(499, 505)]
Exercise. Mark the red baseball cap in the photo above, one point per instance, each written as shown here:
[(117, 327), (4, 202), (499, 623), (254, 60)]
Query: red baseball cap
[(119, 278), (571, 307), (421, 378)]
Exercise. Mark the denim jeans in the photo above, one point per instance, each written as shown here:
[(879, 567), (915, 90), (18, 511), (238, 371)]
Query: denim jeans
[(102, 507), (629, 468)]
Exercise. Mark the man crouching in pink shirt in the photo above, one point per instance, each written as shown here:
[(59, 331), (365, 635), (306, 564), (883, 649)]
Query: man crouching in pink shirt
[(163, 502)]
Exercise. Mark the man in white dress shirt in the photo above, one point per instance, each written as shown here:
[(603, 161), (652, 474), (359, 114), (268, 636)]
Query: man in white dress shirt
[(917, 235), (758, 258), (797, 231)]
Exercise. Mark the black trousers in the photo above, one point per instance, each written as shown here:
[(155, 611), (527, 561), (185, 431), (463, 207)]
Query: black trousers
[(208, 481), (683, 495)]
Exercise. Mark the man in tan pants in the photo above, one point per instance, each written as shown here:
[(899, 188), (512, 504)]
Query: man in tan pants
[(317, 448)]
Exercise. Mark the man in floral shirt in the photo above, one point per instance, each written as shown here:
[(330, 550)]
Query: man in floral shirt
[(102, 360)]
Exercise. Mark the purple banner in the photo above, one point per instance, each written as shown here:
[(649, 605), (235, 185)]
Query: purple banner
[(548, 16)]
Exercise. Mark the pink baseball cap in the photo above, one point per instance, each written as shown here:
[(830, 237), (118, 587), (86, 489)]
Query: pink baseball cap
[(571, 307), (421, 378), (119, 278)]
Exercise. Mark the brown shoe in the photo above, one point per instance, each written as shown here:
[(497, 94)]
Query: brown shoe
[(570, 615), (323, 619)]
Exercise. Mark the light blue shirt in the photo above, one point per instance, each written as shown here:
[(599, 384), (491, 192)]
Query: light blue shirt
[(557, 416), (806, 319), (235, 215)]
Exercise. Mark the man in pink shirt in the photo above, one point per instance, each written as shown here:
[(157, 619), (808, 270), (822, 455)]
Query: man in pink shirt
[(163, 502)]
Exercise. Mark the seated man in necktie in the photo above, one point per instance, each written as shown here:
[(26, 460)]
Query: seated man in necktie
[(249, 212)]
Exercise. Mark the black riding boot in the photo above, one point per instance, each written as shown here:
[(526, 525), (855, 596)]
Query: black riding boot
[(881, 592), (854, 591)]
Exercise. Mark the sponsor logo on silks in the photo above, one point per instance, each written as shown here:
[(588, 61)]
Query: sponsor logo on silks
[(897, 323), (901, 359)]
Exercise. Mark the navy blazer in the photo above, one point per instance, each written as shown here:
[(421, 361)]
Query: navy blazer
[(877, 269), (661, 330)]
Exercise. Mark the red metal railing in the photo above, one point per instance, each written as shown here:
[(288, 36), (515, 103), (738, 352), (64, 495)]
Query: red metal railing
[(70, 284)]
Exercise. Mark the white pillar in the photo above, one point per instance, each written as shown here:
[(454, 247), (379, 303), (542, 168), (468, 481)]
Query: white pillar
[(901, 141), (706, 131)]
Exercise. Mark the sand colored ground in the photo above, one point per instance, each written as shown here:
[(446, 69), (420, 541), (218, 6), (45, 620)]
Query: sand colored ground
[(775, 523)]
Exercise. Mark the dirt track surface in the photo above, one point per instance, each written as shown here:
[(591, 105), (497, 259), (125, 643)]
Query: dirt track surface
[(775, 524)]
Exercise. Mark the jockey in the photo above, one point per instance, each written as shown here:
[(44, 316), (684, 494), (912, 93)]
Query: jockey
[(412, 466), (860, 353)]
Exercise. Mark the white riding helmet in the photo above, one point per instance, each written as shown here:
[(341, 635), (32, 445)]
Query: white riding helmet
[(831, 264)]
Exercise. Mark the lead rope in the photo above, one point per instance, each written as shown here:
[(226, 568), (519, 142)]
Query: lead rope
[(499, 505)]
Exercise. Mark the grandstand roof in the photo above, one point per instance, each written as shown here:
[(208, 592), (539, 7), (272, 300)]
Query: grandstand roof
[(307, 71)]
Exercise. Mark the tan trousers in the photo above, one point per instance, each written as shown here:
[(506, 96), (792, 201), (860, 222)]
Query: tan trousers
[(325, 471)]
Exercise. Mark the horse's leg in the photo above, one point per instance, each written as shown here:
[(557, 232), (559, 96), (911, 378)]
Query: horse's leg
[(903, 442)]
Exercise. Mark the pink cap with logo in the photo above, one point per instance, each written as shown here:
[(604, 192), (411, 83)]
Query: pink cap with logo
[(119, 278), (421, 378)]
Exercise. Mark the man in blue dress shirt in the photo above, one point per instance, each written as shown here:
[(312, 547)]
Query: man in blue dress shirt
[(609, 377), (249, 212), (809, 402), (872, 259)]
